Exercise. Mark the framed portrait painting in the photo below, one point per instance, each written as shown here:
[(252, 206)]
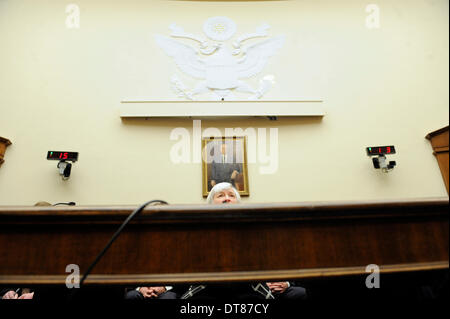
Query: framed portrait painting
[(224, 159)]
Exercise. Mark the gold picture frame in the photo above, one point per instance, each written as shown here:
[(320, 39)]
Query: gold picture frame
[(221, 157)]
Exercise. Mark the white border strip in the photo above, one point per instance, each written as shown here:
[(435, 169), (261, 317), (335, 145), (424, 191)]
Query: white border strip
[(147, 108)]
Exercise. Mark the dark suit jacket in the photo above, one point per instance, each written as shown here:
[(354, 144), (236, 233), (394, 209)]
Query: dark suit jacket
[(221, 172)]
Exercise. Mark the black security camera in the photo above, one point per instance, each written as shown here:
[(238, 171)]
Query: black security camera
[(391, 164), (64, 161), (64, 169), (376, 162), (379, 160)]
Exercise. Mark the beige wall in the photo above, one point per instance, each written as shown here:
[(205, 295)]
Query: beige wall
[(60, 89)]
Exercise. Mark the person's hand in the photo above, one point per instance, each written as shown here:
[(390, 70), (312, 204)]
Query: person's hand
[(213, 182), (151, 292), (277, 287), (159, 290), (10, 295), (27, 296), (234, 174)]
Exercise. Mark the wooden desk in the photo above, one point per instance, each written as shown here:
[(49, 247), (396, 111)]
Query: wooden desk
[(205, 243)]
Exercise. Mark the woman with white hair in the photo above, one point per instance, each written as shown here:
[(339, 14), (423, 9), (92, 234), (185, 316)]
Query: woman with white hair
[(223, 193)]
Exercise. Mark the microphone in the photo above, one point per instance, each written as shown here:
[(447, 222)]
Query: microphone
[(113, 238), (68, 204)]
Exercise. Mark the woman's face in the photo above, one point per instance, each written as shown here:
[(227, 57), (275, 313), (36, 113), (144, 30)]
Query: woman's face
[(226, 196)]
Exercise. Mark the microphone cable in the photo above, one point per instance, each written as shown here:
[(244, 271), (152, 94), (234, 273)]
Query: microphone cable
[(113, 238)]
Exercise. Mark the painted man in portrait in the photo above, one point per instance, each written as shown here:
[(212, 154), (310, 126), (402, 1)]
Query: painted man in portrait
[(225, 165)]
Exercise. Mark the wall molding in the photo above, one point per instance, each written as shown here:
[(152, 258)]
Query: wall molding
[(153, 108)]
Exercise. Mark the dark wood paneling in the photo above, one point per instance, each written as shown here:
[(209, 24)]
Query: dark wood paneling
[(440, 142), (4, 143), (193, 240)]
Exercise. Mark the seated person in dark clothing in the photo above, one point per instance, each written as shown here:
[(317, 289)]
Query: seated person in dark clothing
[(225, 167), (159, 292)]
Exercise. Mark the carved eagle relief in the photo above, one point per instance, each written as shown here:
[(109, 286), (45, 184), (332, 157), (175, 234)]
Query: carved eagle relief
[(220, 69)]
